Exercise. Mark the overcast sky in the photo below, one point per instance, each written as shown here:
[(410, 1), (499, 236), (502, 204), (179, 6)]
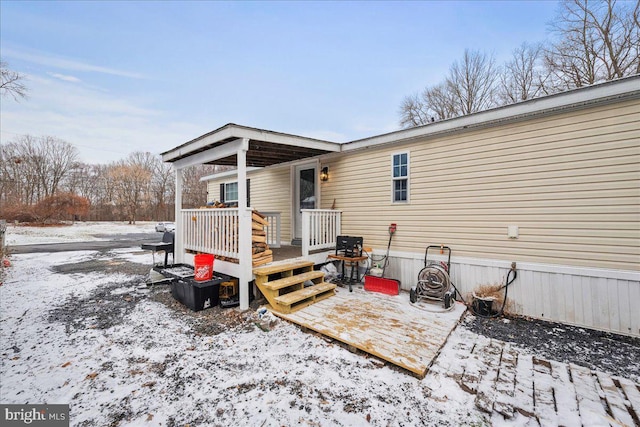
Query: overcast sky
[(116, 77)]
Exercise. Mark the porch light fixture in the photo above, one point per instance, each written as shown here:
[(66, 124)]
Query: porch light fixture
[(324, 174)]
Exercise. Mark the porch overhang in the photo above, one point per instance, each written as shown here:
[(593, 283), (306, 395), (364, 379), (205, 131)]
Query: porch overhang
[(265, 148)]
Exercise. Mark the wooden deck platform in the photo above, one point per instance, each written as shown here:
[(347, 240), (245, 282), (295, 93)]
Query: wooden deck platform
[(389, 327)]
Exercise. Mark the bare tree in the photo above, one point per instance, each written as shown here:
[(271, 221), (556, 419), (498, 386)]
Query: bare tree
[(523, 77), (194, 192), (414, 111), (110, 197), (145, 160), (441, 102), (78, 180), (60, 158), (130, 184), (471, 86), (10, 177), (596, 41), (34, 167), (101, 193), (19, 172), (12, 82), (472, 82), (163, 188), (433, 104)]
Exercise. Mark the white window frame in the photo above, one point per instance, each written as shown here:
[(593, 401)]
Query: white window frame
[(399, 178), (226, 201)]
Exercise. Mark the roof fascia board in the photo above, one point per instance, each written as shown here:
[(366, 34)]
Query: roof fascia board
[(291, 140), (602, 93), (212, 154), (220, 135), (235, 131)]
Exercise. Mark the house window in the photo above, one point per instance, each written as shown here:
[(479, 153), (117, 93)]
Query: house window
[(231, 193), (400, 178)]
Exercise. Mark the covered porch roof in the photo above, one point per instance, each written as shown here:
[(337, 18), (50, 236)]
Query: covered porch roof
[(265, 148)]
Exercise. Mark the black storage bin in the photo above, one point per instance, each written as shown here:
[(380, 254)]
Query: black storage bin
[(198, 295), (175, 271)]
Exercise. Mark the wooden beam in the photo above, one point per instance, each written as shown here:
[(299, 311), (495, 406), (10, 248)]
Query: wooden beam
[(212, 154), (244, 226), (178, 252)]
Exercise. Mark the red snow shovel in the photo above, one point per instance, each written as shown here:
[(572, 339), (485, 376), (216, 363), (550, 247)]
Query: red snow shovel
[(380, 284)]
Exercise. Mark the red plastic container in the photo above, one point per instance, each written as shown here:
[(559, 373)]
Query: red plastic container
[(382, 285), (203, 267)]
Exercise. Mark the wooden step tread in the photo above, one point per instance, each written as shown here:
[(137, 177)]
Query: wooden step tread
[(279, 268), (302, 294), (292, 280)]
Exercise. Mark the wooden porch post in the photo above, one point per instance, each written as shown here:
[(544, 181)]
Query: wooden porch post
[(178, 251), (244, 232)]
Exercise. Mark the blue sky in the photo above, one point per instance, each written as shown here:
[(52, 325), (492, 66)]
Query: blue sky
[(117, 77)]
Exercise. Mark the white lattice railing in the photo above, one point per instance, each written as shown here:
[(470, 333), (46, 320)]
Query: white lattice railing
[(320, 229), (211, 231)]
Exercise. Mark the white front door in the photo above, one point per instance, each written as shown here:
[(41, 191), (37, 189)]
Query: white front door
[(305, 193)]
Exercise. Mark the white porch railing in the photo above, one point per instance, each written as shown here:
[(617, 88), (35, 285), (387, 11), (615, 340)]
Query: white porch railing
[(215, 231), (320, 229), (212, 231), (273, 230)]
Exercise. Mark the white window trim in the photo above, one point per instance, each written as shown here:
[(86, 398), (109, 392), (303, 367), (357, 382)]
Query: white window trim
[(393, 179), (225, 192)]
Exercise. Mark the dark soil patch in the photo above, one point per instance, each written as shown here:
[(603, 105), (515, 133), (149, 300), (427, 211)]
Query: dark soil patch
[(102, 309), (106, 266), (598, 350), (108, 306), (210, 321)]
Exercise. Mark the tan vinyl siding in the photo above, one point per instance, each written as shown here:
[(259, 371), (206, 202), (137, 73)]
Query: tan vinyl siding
[(213, 189), (270, 191), (570, 182)]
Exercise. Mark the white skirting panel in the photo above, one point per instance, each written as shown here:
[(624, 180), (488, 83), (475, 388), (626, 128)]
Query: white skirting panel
[(594, 298)]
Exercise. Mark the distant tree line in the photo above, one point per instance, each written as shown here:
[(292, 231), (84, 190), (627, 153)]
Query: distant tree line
[(593, 41), (42, 180)]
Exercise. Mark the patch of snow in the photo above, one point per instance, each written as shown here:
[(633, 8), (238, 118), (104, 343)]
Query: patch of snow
[(77, 232), (136, 255)]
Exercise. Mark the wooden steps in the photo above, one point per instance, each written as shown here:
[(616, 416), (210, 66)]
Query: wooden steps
[(306, 296), (278, 268), (292, 280), (283, 285)]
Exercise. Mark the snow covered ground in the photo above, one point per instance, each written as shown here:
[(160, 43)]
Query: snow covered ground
[(105, 343), (77, 232)]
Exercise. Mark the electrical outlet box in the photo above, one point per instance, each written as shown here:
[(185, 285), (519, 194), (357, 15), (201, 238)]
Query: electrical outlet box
[(512, 231)]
